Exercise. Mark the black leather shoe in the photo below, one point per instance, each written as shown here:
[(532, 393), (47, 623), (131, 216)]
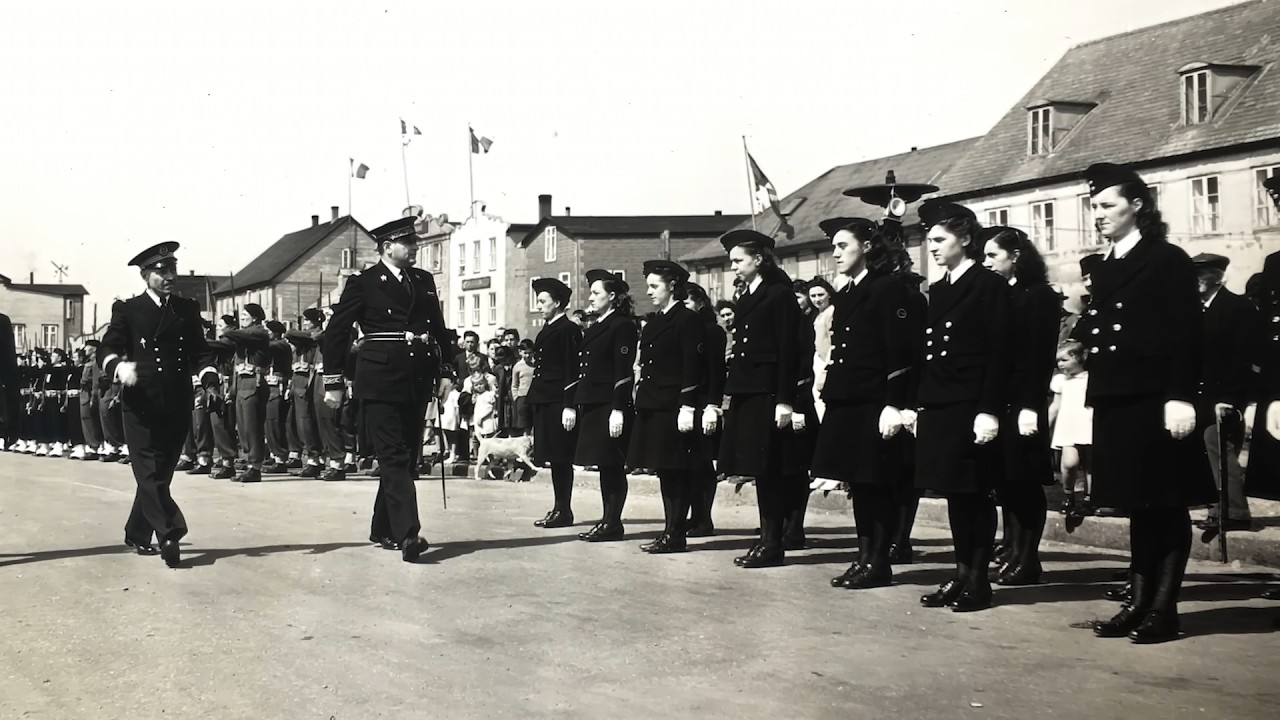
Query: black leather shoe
[(1159, 626), (309, 471), (1272, 594), (972, 600), (249, 476), (200, 470), (1121, 595), (545, 518), (1125, 622), (666, 544), (385, 543), (604, 532), (169, 551), (743, 558), (870, 577), (109, 457), (293, 463), (183, 466), (1020, 575), (944, 595), (272, 467), (558, 519), (333, 475), (839, 580), (90, 456), (763, 557), (142, 548), (900, 554), (700, 530), (413, 548), (223, 473)]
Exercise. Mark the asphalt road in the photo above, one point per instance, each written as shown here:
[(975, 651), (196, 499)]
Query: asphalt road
[(284, 611)]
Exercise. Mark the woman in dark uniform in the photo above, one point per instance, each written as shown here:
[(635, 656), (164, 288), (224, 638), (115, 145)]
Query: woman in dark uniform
[(603, 396), (555, 355), (703, 492), (1144, 330), (762, 385), (673, 373), (1262, 415), (962, 396), (1034, 313), (867, 383)]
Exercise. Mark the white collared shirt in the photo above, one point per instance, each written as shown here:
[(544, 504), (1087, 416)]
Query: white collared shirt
[(954, 275), (1125, 245), (670, 304), (155, 297), (857, 279), (604, 315), (755, 283), (395, 271), (1209, 302)]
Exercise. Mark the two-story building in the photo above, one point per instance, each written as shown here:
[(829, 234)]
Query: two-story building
[(43, 315), (485, 275), (1193, 105)]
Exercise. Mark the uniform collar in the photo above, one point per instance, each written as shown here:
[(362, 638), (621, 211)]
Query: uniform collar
[(857, 279), (755, 283), (1125, 245), (395, 271), (1212, 297), (954, 276), (155, 297)]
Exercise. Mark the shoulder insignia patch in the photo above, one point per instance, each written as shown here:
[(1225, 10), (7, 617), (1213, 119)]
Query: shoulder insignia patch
[(699, 347), (902, 313), (624, 350)]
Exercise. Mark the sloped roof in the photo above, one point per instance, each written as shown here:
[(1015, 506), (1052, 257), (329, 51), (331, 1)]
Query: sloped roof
[(583, 226), (823, 197), (282, 253), (1133, 78), (45, 288), (193, 286)]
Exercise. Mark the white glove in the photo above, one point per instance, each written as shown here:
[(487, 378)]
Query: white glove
[(985, 428), (684, 421), (710, 420), (127, 373), (909, 418), (568, 418), (890, 421), (1250, 416), (797, 422), (1179, 418), (1028, 422), (1273, 419), (333, 398), (782, 415), (615, 423)]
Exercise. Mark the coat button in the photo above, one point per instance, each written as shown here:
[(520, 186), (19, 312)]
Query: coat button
[(947, 324), (1116, 327), (1093, 312), (944, 353), (1096, 331), (1113, 348), (1093, 349), (1119, 306), (929, 343), (928, 331), (929, 356), (946, 338)]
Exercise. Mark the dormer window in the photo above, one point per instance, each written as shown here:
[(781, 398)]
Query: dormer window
[(1051, 122), (1207, 88)]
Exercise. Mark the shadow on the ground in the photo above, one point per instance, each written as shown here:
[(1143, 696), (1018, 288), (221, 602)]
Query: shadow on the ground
[(191, 557), (457, 548)]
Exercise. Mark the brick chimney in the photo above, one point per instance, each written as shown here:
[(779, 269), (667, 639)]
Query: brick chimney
[(544, 207), (333, 209), (315, 220), (566, 211)]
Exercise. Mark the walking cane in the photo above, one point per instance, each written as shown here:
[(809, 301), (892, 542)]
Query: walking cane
[(1223, 490)]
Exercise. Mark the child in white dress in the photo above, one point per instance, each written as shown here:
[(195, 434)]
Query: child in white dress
[(1072, 424)]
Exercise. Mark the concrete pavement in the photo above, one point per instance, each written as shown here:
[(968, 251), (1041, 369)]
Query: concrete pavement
[(284, 611)]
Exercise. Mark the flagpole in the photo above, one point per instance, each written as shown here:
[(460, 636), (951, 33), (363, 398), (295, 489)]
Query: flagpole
[(471, 177), (751, 192), (405, 165)]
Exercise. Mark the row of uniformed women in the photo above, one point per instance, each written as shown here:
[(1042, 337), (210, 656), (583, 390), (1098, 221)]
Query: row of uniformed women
[(49, 419)]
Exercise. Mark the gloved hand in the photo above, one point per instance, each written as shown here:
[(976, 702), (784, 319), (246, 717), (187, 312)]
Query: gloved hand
[(782, 415), (684, 421), (890, 421), (127, 373), (797, 422), (568, 418), (1250, 416), (985, 428), (1179, 418), (615, 423), (1273, 419), (710, 420), (909, 418), (1028, 422), (333, 398)]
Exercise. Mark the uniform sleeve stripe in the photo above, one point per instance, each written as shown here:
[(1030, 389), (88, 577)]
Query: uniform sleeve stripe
[(896, 373), (691, 388), (575, 382), (621, 382)]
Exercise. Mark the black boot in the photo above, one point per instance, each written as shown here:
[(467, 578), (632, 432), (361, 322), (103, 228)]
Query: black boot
[(673, 540), (864, 555), (610, 527), (769, 553), (562, 490), (977, 591), (1027, 569), (668, 506), (702, 499), (900, 551), (793, 537), (1161, 624), (758, 543), (1131, 613), (876, 569)]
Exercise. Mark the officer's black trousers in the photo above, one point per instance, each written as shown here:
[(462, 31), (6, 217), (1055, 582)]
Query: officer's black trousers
[(1160, 543), (972, 518), (393, 428), (155, 442)]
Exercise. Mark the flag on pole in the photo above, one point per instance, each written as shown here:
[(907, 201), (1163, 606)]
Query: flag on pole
[(358, 172), (416, 131), (403, 130), (479, 144), (770, 196)]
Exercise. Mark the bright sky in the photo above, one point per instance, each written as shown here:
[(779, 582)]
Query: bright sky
[(225, 125)]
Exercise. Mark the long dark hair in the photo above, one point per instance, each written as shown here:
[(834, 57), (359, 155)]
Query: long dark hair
[(1029, 268), (770, 272), (679, 285), (964, 226), (622, 303), (1149, 221), (703, 301)]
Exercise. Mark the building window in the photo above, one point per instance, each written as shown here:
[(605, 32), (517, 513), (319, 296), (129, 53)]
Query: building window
[(1264, 211), (462, 310), (1155, 195), (713, 284), (999, 216), (533, 295), (70, 313), (493, 253), (475, 309), (1040, 128), (1042, 225), (493, 308), (476, 265), (826, 266), (1204, 204), (49, 336), (1089, 234), (567, 279), (20, 336), (549, 244), (622, 274), (1195, 97), (348, 261), (462, 258)]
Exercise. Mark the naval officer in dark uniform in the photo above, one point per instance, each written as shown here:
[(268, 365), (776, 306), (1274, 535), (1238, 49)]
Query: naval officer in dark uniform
[(1145, 334), (395, 375), (153, 345), (555, 361)]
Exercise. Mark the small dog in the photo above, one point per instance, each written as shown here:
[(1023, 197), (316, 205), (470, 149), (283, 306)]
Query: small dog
[(505, 448)]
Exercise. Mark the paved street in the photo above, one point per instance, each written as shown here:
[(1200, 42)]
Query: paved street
[(284, 611)]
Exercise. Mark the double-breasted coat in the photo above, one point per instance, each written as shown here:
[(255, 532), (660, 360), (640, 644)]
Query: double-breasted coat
[(555, 365), (605, 382), (1035, 315), (673, 374)]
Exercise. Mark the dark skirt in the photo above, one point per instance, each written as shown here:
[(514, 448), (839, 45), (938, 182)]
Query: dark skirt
[(1027, 460), (1138, 464), (1262, 477), (595, 447), (656, 443), (751, 445), (851, 449), (948, 461), (552, 444)]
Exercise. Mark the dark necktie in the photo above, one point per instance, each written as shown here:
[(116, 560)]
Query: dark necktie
[(406, 282)]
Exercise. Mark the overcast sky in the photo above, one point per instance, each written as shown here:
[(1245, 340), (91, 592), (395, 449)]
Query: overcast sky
[(225, 125)]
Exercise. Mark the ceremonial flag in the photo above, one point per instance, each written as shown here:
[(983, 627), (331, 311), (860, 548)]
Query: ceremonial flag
[(770, 196), (358, 172), (479, 144), (403, 130)]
